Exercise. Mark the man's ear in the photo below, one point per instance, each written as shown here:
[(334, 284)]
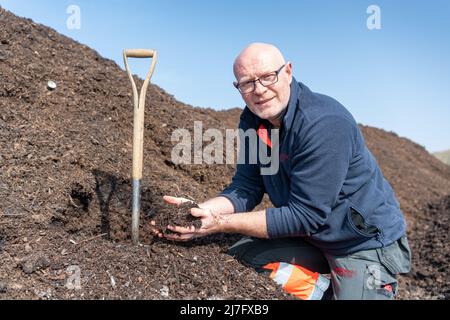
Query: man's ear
[(289, 71)]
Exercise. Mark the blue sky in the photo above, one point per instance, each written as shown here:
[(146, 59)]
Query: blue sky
[(396, 78)]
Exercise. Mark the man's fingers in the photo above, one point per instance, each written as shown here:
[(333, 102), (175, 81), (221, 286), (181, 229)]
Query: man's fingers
[(155, 231), (171, 200), (152, 226), (181, 230), (178, 237), (175, 200)]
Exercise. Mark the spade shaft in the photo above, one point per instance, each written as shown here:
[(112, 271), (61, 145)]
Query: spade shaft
[(138, 133)]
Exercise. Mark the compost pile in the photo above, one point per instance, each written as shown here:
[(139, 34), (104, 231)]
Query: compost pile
[(65, 159)]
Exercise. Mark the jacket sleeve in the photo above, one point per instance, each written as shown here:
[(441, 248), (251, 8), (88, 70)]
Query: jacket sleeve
[(320, 163), (247, 187)]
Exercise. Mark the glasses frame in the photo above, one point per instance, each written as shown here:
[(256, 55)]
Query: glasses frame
[(277, 72)]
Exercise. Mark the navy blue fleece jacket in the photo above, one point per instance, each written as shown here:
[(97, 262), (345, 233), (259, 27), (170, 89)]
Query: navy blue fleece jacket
[(329, 188)]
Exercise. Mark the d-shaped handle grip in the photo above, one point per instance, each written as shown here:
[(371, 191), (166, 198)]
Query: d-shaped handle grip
[(139, 53)]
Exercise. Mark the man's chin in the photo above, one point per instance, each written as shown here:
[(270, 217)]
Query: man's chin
[(267, 114), (263, 112)]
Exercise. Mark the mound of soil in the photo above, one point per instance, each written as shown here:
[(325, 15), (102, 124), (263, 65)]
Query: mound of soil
[(65, 159), (429, 241)]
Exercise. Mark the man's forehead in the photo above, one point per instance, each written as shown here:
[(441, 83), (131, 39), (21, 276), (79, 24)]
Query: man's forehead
[(253, 69)]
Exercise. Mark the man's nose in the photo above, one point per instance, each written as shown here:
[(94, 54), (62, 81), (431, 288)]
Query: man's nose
[(259, 88)]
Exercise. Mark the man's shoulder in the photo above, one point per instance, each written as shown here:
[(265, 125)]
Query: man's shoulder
[(317, 106)]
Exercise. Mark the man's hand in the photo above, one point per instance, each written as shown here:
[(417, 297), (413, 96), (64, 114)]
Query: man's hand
[(171, 200), (211, 223), (217, 215)]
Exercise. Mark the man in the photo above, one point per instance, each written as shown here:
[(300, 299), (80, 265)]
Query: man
[(334, 213)]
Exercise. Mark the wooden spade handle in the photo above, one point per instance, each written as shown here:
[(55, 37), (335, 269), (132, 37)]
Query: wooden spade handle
[(139, 105), (138, 53)]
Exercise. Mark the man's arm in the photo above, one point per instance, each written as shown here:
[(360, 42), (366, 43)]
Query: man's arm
[(243, 195), (247, 187), (217, 215), (251, 224)]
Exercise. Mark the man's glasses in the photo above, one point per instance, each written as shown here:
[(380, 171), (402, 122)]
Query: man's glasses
[(265, 80)]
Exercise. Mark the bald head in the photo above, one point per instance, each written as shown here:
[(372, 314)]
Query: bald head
[(255, 56)]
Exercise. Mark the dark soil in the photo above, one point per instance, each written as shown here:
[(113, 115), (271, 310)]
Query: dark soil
[(429, 238), (65, 189), (170, 215)]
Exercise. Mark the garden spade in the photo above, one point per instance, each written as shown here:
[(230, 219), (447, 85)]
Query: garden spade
[(138, 133)]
